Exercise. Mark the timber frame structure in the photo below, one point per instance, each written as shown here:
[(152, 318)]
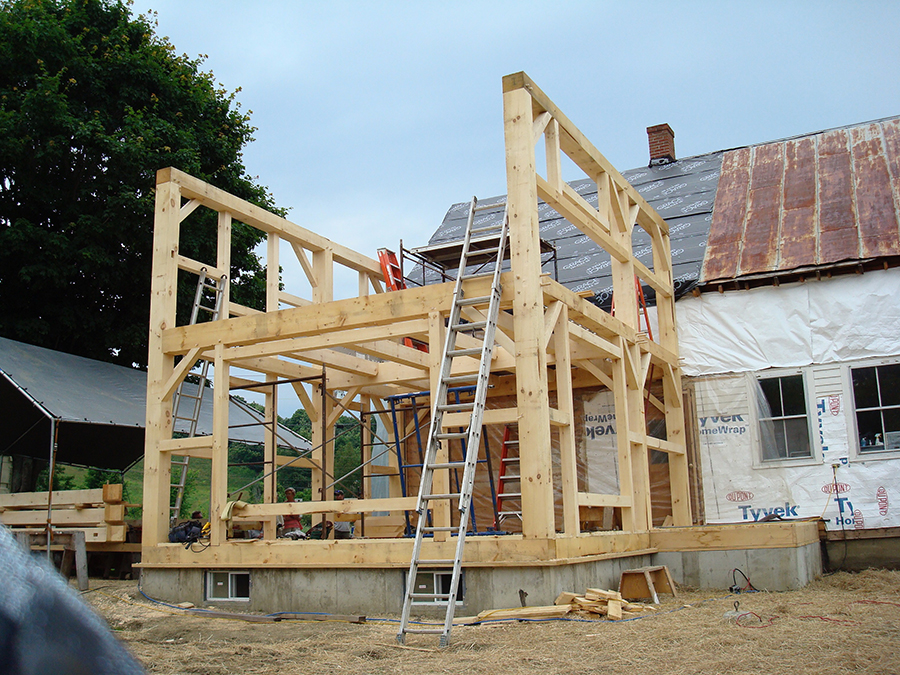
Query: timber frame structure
[(550, 341)]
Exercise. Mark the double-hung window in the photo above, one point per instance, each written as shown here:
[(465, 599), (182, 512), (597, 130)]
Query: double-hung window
[(876, 401), (783, 418)]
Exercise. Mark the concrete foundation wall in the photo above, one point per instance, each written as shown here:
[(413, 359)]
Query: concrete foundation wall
[(379, 592)]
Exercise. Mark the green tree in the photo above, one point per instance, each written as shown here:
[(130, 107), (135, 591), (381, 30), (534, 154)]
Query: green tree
[(94, 478), (62, 479), (92, 104)]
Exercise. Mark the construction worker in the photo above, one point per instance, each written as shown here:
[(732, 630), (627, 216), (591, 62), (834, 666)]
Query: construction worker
[(293, 528), (341, 527)]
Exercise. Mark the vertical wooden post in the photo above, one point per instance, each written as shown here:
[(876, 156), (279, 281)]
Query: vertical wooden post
[(528, 312), (623, 425), (157, 465), (223, 258), (565, 403), (273, 272), (218, 484), (679, 479), (323, 269), (270, 450), (441, 478)]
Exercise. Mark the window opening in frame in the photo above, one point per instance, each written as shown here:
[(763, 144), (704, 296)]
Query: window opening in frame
[(783, 418), (876, 401)]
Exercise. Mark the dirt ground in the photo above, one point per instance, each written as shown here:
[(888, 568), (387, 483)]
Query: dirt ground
[(843, 623)]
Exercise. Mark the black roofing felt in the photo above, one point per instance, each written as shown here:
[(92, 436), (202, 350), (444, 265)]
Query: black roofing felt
[(683, 193)]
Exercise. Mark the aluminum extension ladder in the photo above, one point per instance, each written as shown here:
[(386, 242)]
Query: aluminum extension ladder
[(483, 331), (189, 395)]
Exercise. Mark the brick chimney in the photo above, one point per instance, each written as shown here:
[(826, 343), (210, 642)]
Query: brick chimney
[(662, 144)]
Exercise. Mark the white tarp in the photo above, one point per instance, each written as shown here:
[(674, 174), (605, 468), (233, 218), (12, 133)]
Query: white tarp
[(739, 487), (828, 321)]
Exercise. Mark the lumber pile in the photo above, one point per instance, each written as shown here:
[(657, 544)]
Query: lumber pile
[(595, 602), (99, 513)]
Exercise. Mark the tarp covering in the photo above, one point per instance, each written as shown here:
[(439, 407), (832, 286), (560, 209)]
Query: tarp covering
[(100, 409), (828, 321)]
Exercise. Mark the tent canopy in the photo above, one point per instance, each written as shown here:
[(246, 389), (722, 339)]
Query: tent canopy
[(100, 409)]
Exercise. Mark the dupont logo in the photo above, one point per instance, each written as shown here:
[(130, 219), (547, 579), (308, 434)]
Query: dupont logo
[(835, 488), (882, 496), (858, 522), (739, 496)]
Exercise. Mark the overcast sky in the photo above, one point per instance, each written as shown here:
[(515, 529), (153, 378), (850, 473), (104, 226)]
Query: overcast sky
[(373, 118)]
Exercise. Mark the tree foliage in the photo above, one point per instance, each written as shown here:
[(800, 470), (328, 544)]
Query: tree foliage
[(92, 104)]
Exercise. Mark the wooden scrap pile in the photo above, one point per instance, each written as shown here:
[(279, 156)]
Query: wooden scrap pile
[(595, 602)]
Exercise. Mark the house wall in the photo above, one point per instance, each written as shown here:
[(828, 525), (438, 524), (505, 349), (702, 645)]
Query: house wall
[(821, 330)]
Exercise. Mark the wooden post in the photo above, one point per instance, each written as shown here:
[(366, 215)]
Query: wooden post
[(565, 403), (270, 450), (528, 312), (218, 483), (441, 478), (163, 297)]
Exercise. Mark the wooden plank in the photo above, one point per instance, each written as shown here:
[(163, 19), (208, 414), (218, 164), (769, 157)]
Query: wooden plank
[(784, 534), (257, 511), (193, 446), (594, 499), (37, 500), (64, 516)]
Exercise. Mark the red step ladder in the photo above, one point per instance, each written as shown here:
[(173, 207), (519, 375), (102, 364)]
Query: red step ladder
[(503, 480)]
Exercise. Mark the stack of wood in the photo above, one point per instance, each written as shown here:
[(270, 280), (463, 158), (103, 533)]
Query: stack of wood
[(99, 513), (604, 603), (595, 602)]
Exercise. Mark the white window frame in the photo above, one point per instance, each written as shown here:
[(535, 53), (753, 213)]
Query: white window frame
[(231, 577), (815, 456), (436, 575), (855, 453)]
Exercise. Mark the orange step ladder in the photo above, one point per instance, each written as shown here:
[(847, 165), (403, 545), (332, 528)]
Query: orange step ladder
[(393, 279)]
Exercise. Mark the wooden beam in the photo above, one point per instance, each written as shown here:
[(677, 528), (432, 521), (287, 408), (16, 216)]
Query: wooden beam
[(531, 361), (219, 200)]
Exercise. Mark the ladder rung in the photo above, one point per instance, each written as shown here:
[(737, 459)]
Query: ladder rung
[(510, 495), (510, 460), (455, 407), (465, 302), (436, 528), (510, 513), (511, 442), (446, 495), (471, 351), (436, 562), (478, 275), (472, 252), (488, 207), (446, 465), (424, 631), (451, 436), (458, 379), (433, 596), (510, 477), (465, 327)]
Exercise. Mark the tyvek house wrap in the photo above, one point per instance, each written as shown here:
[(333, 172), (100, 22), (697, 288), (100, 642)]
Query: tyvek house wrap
[(818, 327)]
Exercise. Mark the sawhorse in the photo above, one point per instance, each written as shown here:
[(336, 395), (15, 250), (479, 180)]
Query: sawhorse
[(72, 544)]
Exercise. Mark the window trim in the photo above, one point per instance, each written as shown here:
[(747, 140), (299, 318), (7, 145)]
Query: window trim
[(232, 574), (436, 574), (815, 449), (853, 448)]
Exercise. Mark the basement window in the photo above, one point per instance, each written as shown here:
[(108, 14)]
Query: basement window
[(876, 400), (228, 585), (433, 581), (783, 418)]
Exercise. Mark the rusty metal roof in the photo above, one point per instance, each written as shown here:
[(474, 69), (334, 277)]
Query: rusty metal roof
[(808, 202)]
